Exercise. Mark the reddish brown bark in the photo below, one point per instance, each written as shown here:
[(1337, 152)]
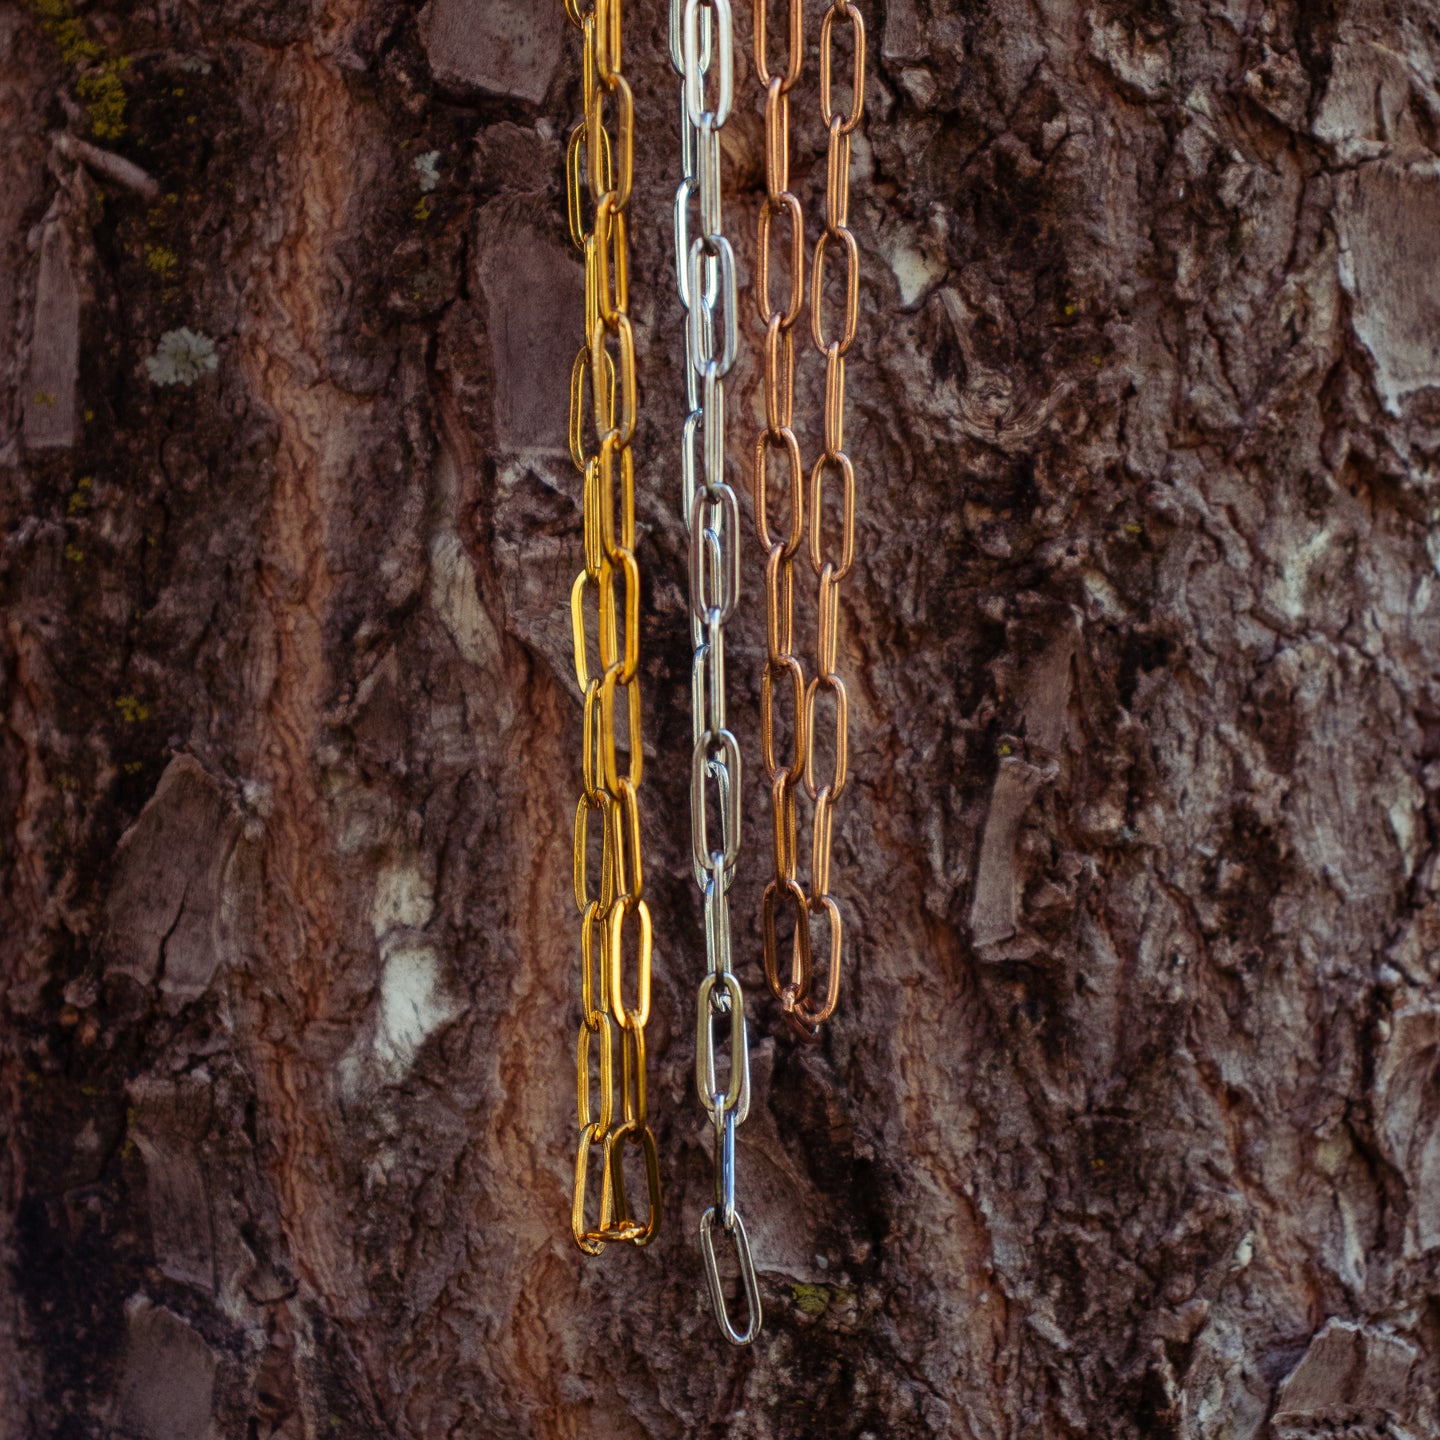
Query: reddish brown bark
[(1127, 1124)]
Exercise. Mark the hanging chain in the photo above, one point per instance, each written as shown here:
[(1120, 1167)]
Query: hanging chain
[(607, 358), (701, 31), (782, 666), (803, 1011)]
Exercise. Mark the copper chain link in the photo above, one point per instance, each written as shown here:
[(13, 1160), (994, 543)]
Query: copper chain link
[(607, 358), (804, 1013)]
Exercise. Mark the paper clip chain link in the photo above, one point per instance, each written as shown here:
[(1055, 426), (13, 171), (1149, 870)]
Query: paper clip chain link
[(701, 50)]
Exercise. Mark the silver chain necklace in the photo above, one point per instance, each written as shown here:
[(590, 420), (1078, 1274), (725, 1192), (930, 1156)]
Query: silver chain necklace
[(701, 31)]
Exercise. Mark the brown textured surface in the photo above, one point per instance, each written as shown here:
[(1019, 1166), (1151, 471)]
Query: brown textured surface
[(1128, 1124)]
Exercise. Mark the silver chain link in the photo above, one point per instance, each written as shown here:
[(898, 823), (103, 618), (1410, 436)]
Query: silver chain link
[(702, 42)]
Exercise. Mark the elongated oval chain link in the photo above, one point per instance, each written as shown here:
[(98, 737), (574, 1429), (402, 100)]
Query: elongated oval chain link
[(608, 588), (783, 673), (702, 52)]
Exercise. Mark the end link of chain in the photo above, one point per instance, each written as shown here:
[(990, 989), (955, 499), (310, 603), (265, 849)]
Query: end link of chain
[(748, 1282)]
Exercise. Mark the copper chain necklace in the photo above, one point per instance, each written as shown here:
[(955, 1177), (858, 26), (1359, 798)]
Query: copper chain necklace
[(782, 667)]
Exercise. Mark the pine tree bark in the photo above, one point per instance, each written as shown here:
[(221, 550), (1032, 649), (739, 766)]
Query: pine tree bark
[(1127, 1125)]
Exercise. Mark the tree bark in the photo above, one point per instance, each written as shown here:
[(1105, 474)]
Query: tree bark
[(1127, 1125)]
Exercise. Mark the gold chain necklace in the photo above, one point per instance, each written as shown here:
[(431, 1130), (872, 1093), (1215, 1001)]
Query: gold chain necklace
[(609, 562)]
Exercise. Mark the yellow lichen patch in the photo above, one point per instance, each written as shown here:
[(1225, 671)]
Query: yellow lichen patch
[(812, 1299), (80, 495), (104, 97), (74, 44), (817, 1299), (57, 19), (162, 214), (74, 554), (161, 260), (132, 709)]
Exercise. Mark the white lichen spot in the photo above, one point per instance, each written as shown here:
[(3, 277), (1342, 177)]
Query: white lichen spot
[(427, 167), (181, 358), (412, 1007), (1198, 102), (1103, 595), (259, 798), (403, 896), (194, 65), (1295, 574), (916, 272), (1244, 1253)]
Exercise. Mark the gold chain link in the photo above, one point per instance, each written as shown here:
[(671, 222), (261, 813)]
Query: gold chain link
[(603, 165), (783, 672)]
